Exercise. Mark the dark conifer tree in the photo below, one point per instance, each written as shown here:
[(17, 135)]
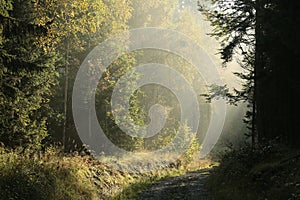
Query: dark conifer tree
[(27, 74), (264, 33)]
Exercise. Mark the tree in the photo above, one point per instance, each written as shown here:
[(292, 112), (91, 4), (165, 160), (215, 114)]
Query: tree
[(168, 14), (279, 82), (234, 23), (27, 75), (262, 32), (76, 28)]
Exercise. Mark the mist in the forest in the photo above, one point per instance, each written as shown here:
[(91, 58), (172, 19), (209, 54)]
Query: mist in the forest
[(184, 17)]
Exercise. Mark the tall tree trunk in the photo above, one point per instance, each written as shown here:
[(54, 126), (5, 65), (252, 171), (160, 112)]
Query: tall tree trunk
[(66, 96), (255, 69)]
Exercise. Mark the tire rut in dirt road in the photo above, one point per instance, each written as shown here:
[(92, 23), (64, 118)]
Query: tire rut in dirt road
[(190, 186)]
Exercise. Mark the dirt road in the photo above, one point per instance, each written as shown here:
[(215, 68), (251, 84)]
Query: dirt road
[(190, 186)]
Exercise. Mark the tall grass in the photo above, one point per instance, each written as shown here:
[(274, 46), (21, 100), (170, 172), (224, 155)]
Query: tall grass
[(52, 175), (48, 175)]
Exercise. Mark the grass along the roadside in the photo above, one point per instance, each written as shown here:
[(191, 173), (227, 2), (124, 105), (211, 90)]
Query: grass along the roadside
[(52, 175)]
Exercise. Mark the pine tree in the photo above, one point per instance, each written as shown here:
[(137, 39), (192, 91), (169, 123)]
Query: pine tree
[(234, 24), (27, 75), (266, 29)]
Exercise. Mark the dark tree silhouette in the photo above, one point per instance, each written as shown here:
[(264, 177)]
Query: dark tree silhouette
[(264, 33)]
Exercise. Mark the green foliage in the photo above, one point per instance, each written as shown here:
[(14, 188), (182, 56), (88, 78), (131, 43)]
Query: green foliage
[(5, 7), (154, 13), (167, 14), (76, 28), (192, 153), (103, 102), (27, 75)]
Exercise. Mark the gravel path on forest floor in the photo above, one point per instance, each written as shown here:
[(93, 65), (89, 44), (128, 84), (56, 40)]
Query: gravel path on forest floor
[(190, 186)]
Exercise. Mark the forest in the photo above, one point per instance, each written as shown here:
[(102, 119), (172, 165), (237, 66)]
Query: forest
[(157, 99)]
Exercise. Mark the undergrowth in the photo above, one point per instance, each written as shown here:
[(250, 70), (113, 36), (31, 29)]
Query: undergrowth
[(53, 175), (270, 171)]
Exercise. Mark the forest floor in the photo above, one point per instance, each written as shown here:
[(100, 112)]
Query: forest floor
[(190, 186), (271, 172)]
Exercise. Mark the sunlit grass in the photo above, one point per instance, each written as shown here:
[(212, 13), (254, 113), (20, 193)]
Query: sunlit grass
[(53, 175)]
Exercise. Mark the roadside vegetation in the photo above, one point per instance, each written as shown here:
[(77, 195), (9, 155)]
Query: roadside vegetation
[(269, 172), (52, 174)]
